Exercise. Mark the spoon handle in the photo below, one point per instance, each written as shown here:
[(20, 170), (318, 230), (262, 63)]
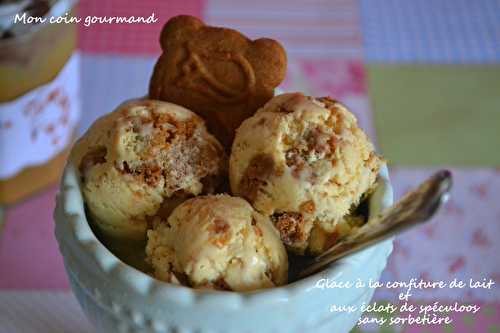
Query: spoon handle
[(414, 208)]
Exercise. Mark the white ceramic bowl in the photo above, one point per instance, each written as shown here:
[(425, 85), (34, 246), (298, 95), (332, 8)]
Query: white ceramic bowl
[(118, 298)]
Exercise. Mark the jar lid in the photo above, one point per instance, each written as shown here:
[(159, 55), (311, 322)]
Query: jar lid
[(41, 9)]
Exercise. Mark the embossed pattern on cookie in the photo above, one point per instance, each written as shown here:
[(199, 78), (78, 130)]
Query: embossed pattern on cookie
[(216, 89)]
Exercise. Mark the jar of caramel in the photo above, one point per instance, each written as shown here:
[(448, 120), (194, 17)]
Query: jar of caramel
[(39, 94)]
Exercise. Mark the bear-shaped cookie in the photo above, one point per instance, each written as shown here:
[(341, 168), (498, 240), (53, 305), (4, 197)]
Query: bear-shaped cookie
[(216, 72)]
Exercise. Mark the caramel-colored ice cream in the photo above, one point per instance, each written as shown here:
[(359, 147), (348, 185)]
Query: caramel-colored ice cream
[(217, 242), (305, 163), (145, 155)]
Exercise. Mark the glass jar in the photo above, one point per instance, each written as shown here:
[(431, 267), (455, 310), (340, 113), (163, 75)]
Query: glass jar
[(39, 97)]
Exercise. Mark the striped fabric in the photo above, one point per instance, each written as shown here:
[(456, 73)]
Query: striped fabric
[(316, 29), (130, 38), (431, 31)]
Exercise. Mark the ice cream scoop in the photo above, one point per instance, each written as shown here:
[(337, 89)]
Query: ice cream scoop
[(306, 164), (217, 242), (145, 155)]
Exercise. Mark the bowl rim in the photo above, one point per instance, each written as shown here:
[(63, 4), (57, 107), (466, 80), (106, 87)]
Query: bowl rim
[(70, 209)]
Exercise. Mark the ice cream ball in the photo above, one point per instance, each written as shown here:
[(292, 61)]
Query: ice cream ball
[(306, 164), (217, 242), (144, 156)]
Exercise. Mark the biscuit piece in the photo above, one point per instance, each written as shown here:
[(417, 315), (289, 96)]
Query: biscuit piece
[(216, 72)]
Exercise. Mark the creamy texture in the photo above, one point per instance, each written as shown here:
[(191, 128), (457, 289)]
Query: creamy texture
[(305, 163), (217, 242), (144, 156)]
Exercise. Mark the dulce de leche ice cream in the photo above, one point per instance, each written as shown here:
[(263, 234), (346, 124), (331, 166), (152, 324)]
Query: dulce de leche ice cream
[(305, 163), (217, 242), (143, 156)]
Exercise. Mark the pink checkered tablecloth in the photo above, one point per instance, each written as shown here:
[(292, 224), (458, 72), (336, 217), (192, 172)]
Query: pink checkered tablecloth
[(328, 46)]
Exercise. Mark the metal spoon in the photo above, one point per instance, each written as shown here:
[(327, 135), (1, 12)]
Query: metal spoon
[(416, 207)]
